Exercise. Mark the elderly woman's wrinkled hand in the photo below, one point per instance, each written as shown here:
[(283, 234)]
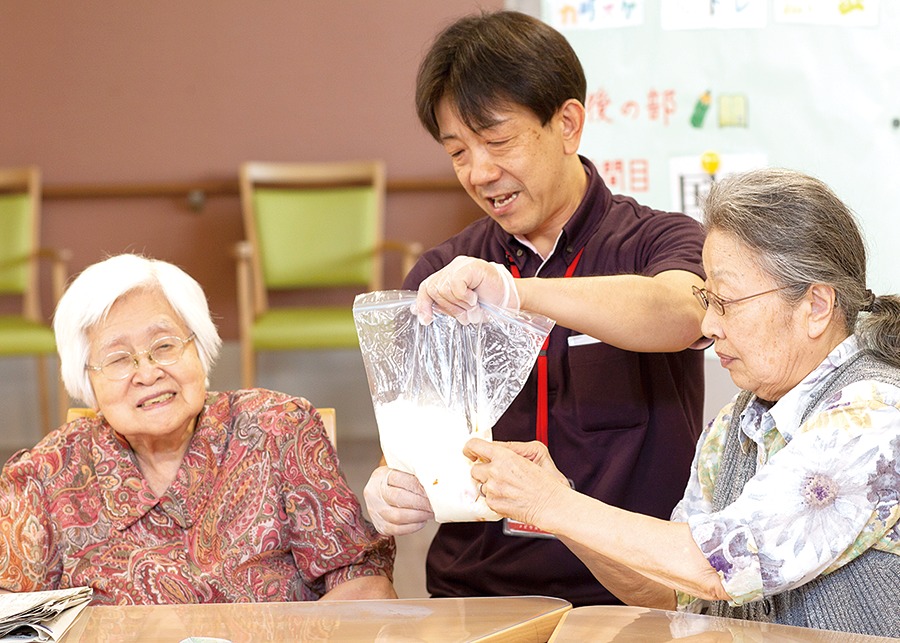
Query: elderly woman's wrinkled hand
[(518, 479), (457, 289)]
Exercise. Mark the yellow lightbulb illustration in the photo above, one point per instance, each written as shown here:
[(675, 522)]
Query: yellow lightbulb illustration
[(710, 162)]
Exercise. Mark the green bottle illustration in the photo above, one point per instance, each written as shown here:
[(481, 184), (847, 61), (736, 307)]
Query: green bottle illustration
[(700, 109)]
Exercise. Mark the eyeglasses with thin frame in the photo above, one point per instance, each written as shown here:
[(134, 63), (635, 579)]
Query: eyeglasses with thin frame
[(165, 351), (707, 297)]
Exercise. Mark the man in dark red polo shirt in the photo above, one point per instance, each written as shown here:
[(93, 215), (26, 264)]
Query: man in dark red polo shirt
[(621, 409)]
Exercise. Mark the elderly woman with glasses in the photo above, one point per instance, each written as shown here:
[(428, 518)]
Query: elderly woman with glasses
[(172, 493), (791, 511)]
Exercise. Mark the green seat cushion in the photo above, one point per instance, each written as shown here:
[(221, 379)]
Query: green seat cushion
[(302, 328), (19, 336)]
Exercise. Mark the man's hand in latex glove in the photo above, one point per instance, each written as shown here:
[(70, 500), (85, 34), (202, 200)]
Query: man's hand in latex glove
[(396, 502), (457, 288)]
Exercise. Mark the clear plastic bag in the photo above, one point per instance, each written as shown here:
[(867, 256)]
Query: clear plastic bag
[(434, 387)]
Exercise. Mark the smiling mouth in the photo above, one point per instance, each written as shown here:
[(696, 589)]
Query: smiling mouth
[(153, 401), (506, 199)]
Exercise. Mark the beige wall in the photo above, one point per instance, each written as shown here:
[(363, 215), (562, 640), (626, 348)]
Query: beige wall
[(103, 92)]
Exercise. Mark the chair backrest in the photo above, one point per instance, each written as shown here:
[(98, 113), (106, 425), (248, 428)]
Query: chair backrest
[(76, 412), (328, 419), (330, 423), (20, 198), (313, 225)]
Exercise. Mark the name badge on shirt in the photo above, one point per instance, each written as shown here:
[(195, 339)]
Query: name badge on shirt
[(515, 528), (582, 340)]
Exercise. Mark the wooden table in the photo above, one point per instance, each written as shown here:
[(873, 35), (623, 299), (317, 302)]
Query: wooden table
[(641, 625), (520, 618)]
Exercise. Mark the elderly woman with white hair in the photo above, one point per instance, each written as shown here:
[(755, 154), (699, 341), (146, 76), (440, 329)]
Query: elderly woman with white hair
[(172, 493)]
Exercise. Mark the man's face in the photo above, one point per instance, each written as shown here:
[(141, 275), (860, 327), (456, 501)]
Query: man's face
[(515, 168)]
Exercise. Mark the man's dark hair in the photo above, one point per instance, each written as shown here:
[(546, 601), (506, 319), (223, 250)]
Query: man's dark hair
[(482, 62)]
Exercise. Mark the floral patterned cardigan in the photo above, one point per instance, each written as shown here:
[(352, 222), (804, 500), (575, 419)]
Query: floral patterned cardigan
[(824, 491)]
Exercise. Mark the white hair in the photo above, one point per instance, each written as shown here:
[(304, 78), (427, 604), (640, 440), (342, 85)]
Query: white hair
[(88, 299)]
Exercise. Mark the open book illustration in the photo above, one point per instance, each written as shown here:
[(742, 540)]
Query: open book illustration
[(41, 616)]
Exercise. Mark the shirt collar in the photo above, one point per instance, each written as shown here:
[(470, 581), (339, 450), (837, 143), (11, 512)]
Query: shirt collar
[(580, 226), (525, 242), (785, 415), (124, 491)]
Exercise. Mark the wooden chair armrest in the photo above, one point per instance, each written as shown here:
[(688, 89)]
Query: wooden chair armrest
[(54, 254), (243, 254), (59, 275), (60, 258), (410, 252), (242, 251)]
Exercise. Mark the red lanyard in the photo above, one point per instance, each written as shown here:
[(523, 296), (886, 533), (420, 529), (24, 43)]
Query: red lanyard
[(543, 414)]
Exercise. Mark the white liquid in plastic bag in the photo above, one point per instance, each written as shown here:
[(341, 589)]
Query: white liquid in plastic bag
[(427, 441)]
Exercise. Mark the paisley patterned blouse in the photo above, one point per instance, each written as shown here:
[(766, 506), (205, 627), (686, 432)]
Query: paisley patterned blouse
[(259, 511), (824, 491)]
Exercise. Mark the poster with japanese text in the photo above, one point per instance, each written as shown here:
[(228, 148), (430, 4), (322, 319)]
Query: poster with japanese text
[(812, 85)]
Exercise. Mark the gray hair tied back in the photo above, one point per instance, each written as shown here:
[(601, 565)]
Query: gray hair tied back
[(870, 303)]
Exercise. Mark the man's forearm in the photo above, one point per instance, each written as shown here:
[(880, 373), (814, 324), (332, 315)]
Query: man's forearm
[(642, 314)]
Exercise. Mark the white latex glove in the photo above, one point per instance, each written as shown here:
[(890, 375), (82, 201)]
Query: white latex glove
[(457, 288), (396, 502)]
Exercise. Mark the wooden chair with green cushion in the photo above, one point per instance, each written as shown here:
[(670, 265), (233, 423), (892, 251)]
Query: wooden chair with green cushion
[(27, 333), (309, 227)]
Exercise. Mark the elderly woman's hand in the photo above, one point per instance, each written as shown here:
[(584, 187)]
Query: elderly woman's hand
[(518, 479), (457, 288)]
